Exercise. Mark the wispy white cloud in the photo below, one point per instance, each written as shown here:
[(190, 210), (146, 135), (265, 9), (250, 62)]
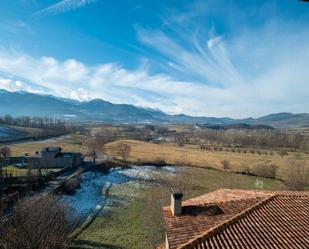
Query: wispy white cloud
[(208, 64), (247, 70), (214, 41), (73, 79), (62, 6), (270, 92), (16, 26), (17, 85)]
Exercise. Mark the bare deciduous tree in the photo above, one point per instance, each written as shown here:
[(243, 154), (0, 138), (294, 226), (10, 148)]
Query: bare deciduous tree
[(91, 147), (123, 150), (38, 224), (297, 176), (180, 139), (5, 152)]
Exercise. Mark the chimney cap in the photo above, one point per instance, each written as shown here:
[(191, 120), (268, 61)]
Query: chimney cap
[(177, 194)]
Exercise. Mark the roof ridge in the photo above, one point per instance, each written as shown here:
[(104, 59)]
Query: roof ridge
[(221, 226)]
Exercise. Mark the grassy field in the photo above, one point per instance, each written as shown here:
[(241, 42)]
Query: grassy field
[(125, 226), (15, 171), (122, 229), (191, 154), (70, 143), (122, 226)]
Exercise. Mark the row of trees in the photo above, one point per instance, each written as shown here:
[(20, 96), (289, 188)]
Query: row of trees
[(46, 126), (244, 138), (239, 150), (33, 122), (296, 175), (94, 146)]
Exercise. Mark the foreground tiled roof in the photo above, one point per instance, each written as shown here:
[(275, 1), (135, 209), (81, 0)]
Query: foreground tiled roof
[(241, 219)]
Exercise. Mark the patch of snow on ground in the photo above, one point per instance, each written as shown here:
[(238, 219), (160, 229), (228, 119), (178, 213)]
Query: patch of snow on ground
[(146, 172), (169, 168), (90, 194)]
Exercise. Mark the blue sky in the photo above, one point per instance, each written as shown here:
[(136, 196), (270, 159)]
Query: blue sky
[(205, 57)]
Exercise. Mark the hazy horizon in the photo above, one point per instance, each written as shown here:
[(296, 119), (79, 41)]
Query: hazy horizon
[(146, 107)]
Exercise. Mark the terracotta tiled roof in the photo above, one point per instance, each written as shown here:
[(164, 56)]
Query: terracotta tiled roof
[(249, 219)]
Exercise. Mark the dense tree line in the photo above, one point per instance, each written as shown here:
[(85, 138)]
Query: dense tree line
[(48, 126), (32, 122), (246, 138)]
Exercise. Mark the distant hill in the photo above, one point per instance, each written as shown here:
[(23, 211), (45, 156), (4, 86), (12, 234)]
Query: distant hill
[(30, 104), (284, 120)]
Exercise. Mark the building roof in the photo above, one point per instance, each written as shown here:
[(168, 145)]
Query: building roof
[(241, 219), (52, 149)]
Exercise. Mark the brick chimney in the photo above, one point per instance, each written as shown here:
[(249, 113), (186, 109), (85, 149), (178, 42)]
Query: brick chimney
[(176, 203)]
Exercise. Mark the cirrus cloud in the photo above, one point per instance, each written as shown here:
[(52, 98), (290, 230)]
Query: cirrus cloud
[(61, 7)]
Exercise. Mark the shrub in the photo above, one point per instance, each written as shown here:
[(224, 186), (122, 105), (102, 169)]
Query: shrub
[(225, 165), (71, 185), (183, 162), (202, 147), (283, 153), (263, 170), (246, 170), (43, 223), (159, 161)]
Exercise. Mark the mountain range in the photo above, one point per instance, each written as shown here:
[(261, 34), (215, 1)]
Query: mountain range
[(23, 103)]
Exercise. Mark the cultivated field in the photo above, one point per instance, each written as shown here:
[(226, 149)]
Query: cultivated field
[(192, 155), (68, 143)]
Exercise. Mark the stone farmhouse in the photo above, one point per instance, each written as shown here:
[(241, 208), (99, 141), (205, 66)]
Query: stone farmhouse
[(53, 157), (238, 219)]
